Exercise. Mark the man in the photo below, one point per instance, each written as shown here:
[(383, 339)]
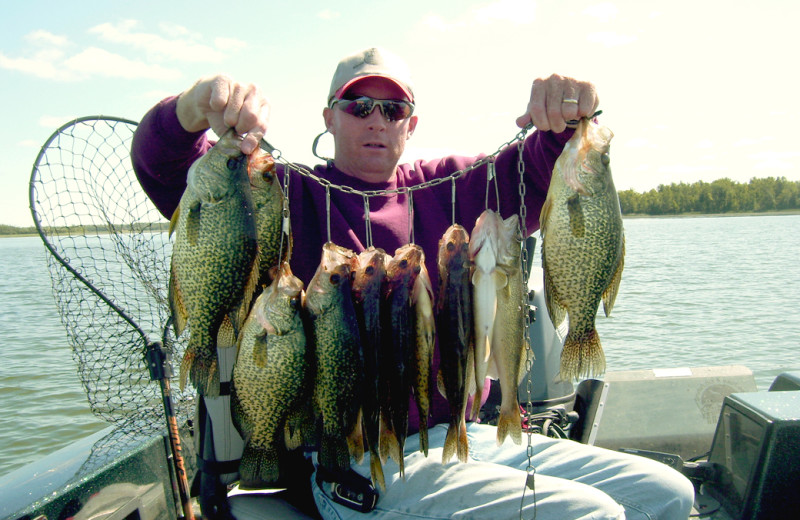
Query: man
[(370, 115)]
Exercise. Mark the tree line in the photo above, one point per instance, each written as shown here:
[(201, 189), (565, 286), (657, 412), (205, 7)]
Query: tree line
[(719, 196)]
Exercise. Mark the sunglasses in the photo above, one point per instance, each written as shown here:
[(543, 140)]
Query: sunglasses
[(392, 110)]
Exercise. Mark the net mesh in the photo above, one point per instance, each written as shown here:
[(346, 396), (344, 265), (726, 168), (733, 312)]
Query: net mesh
[(108, 258)]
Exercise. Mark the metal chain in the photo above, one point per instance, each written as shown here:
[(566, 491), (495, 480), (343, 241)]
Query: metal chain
[(523, 218), (305, 172)]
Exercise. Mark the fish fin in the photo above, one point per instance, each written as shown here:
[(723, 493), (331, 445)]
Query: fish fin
[(450, 443), (440, 383), (333, 453), (544, 215), (423, 434), (259, 466), (582, 356), (476, 403), (610, 294), (241, 310), (463, 443), (173, 221), (509, 423), (577, 223), (500, 279), (355, 440), (376, 471), (180, 316), (226, 336)]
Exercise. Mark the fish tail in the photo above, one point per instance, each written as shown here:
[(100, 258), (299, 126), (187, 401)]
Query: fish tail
[(355, 441), (509, 423), (258, 466), (376, 470), (333, 453), (476, 403), (450, 443), (389, 445), (582, 355), (463, 443), (423, 435)]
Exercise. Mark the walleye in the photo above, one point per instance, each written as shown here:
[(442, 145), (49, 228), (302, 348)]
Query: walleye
[(212, 259), (274, 242), (425, 338), (454, 326), (398, 349), (368, 287), (583, 245), (271, 377), (487, 279), (339, 358), (508, 337)]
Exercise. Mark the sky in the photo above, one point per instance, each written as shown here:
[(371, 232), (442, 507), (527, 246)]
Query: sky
[(693, 90)]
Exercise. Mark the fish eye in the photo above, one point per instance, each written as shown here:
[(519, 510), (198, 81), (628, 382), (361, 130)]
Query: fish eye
[(417, 269), (369, 270), (606, 159), (267, 175), (403, 264), (335, 279), (234, 162), (450, 246)]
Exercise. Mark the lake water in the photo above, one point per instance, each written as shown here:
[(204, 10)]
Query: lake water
[(695, 292)]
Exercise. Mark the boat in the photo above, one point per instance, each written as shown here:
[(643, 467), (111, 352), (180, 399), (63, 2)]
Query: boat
[(739, 446)]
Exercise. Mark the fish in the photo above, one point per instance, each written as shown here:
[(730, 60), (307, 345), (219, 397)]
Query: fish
[(211, 268), (368, 286), (274, 242), (455, 330), (487, 279), (583, 246), (339, 358), (397, 349), (508, 336), (271, 378), (424, 344)]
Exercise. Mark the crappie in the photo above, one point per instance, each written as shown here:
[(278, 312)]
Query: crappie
[(368, 286), (425, 339), (274, 243), (487, 279), (508, 337), (455, 329), (271, 377), (212, 258), (397, 350), (583, 245), (339, 359)]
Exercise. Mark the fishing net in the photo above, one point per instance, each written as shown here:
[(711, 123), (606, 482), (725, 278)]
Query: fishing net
[(108, 258)]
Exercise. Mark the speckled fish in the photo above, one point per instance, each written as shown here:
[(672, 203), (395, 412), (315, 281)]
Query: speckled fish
[(339, 359), (455, 329), (424, 342), (368, 285), (271, 378), (487, 279), (583, 246), (397, 349), (212, 258), (508, 337), (274, 242)]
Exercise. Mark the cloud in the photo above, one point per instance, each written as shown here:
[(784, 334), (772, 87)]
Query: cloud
[(100, 62), (180, 45), (55, 57)]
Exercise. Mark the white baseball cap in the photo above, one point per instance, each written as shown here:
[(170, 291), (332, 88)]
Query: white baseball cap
[(372, 62)]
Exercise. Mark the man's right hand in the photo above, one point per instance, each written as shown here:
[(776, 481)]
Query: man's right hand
[(219, 102)]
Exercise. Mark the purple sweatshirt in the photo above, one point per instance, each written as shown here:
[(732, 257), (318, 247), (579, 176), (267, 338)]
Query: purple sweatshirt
[(162, 152)]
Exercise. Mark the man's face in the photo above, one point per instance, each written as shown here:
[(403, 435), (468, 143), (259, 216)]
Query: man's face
[(369, 148)]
